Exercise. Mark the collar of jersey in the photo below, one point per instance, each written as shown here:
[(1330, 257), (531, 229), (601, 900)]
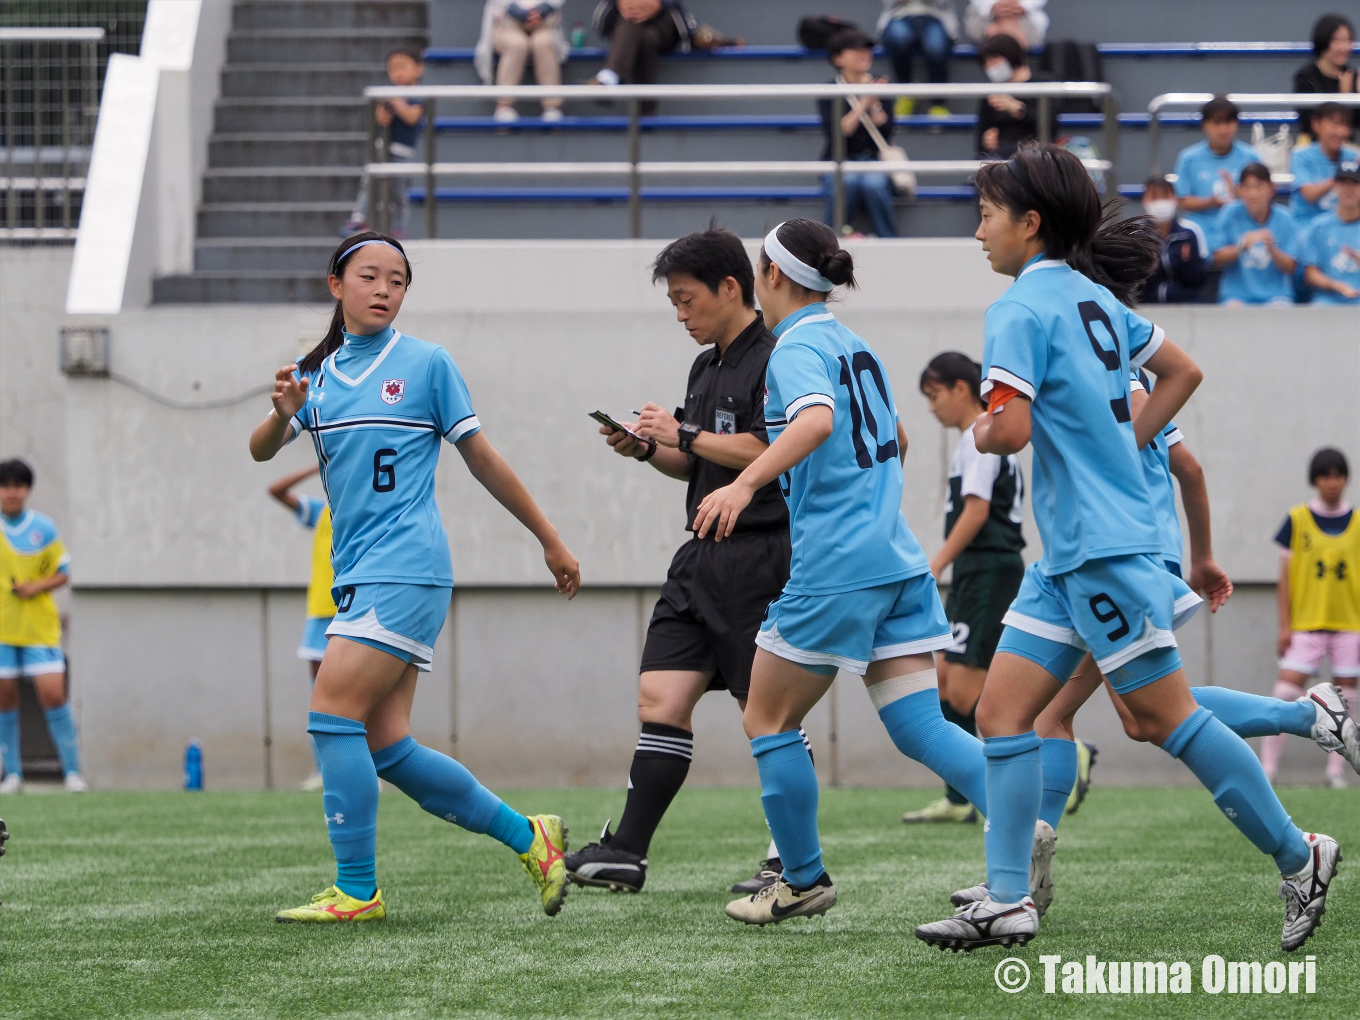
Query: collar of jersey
[(815, 312), (1039, 262), (18, 525), (336, 373)]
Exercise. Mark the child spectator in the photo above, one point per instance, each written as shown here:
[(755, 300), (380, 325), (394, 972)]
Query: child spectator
[(1333, 37), (851, 52), (511, 30), (1318, 596), (1314, 166), (1206, 172), (1330, 248), (405, 66), (1022, 20), (924, 28), (639, 32), (1255, 239), (1003, 121), (1184, 266)]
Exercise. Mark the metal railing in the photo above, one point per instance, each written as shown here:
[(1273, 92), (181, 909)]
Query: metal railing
[(381, 173), (1247, 100), (49, 103)]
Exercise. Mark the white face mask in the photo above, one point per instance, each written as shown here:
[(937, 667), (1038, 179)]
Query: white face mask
[(999, 71), (1162, 210)]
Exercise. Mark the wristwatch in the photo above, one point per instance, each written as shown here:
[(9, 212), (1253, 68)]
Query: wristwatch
[(688, 433)]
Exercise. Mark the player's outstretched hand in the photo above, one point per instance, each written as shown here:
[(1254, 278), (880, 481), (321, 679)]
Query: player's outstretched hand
[(566, 571), (290, 393), (1211, 579), (720, 509)]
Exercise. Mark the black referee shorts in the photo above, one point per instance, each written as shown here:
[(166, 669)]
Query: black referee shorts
[(712, 605)]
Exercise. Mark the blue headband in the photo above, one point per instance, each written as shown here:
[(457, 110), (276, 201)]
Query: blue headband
[(371, 240)]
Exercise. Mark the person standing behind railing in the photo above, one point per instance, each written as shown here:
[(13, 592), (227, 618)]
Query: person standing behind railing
[(851, 52), (925, 28), (405, 66), (1004, 121), (512, 29), (1333, 37)]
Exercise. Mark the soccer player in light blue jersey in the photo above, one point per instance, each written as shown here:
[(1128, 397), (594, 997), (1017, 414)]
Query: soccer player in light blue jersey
[(860, 596), (1254, 244), (1059, 347), (1206, 172), (1330, 249), (377, 405)]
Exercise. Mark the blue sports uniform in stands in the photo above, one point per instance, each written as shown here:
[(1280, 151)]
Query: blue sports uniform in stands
[(1253, 279), (1310, 165), (1325, 244), (1199, 174)]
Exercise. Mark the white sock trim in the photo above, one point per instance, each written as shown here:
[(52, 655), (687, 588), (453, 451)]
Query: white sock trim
[(885, 692)]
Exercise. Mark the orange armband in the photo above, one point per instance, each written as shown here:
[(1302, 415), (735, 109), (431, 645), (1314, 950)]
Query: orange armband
[(1000, 395)]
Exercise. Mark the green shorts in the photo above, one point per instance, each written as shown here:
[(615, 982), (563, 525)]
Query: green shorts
[(982, 590)]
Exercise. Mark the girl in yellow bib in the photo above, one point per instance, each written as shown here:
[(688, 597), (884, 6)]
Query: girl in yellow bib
[(33, 564), (315, 514), (1318, 596)]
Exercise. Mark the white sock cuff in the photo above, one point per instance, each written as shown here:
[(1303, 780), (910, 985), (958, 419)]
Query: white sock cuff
[(885, 692)]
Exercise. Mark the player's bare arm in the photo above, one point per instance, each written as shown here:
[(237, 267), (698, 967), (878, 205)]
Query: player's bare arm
[(1177, 378), (290, 393), (1005, 430)]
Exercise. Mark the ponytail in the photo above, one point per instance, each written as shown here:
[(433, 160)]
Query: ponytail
[(815, 245), (335, 334), (1122, 255), (951, 368)]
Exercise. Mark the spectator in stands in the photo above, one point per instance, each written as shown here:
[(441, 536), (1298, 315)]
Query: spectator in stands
[(1254, 241), (639, 32), (851, 52), (405, 66), (1183, 268), (1333, 37), (924, 28), (1330, 249), (1004, 121), (511, 30), (1314, 166), (1206, 172), (1023, 20)]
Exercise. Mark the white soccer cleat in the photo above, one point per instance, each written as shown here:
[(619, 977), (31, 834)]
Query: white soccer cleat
[(1334, 729), (780, 901), (983, 923), (12, 784), (75, 783), (1040, 872), (1305, 892)]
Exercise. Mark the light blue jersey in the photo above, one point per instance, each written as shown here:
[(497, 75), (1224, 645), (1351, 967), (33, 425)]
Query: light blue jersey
[(1310, 165), (377, 410), (1325, 244), (1067, 343), (845, 498), (1199, 174), (1253, 279), (1156, 458)]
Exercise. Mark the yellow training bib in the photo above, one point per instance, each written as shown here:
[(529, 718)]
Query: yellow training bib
[(319, 601), (1324, 574), (35, 621)]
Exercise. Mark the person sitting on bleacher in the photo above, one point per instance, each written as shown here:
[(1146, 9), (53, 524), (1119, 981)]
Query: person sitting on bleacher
[(1206, 172), (1003, 121), (1333, 37), (1254, 244), (1022, 20), (851, 52), (512, 29), (924, 28), (639, 32), (1330, 248), (1184, 266), (1314, 166)]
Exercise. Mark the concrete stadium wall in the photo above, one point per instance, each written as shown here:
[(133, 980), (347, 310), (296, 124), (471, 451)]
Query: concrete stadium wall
[(188, 602)]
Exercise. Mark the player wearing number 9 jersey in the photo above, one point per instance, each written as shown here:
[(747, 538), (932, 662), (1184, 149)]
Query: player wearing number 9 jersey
[(378, 405), (860, 596), (1056, 364)]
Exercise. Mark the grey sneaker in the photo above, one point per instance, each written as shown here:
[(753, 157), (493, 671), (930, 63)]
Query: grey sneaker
[(983, 923)]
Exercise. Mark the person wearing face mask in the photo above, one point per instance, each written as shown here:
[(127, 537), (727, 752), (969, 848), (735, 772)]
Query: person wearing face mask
[(1005, 121), (1183, 266), (1255, 241)]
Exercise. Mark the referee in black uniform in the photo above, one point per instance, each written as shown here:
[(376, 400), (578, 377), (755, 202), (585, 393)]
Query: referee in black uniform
[(702, 633)]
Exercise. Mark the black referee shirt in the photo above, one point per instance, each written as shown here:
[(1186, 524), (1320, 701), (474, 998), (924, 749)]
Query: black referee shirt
[(726, 395)]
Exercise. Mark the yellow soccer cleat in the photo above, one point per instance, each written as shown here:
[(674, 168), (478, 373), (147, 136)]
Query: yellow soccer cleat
[(333, 906), (544, 864), (1086, 757), (942, 810)]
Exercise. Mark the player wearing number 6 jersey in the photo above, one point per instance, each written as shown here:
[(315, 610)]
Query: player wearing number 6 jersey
[(378, 405), (1059, 345), (860, 596)]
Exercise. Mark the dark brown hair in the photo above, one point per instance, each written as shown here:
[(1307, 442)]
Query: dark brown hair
[(1257, 171), (951, 368), (814, 243), (335, 335), (710, 256)]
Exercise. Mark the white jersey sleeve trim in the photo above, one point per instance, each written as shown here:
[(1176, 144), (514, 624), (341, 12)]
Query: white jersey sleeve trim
[(1149, 349), (978, 471), (463, 429), (808, 400), (1173, 437), (1000, 375)]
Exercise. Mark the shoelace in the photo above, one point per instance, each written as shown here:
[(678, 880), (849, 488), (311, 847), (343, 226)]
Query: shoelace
[(769, 892)]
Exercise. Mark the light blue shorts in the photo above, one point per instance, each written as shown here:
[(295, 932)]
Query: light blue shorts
[(850, 629), (30, 660), (1123, 609), (400, 619), (313, 645)]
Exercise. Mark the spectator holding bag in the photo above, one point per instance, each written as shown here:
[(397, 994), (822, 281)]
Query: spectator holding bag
[(851, 52)]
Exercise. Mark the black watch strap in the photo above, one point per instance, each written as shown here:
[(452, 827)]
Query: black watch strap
[(688, 433), (651, 451)]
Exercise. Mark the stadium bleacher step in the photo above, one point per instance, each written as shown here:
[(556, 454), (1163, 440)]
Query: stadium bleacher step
[(291, 114), (262, 253), (321, 148), (280, 80), (271, 219), (281, 184), (242, 286), (318, 45), (273, 14)]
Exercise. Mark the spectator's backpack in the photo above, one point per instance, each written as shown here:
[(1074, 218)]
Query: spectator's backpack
[(1069, 60), (816, 30)]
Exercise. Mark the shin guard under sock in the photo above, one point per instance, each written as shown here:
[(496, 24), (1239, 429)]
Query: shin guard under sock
[(910, 709), (1255, 715), (660, 765), (1014, 791), (788, 792), (350, 801), (1059, 759)]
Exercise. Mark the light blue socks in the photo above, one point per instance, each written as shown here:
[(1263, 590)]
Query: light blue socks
[(921, 732), (1254, 715), (788, 791), (9, 743), (1014, 787), (62, 725), (443, 787), (1222, 761), (350, 800), (1059, 758)]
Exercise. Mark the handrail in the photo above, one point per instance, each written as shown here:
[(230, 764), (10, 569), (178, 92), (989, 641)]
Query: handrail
[(1258, 100), (51, 34), (381, 172), (920, 167)]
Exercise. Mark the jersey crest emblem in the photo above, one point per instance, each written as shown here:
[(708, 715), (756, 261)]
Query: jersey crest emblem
[(393, 390), (724, 423)]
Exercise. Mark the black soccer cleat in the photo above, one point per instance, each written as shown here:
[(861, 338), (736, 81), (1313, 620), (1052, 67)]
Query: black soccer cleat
[(3, 836), (767, 874), (608, 867)]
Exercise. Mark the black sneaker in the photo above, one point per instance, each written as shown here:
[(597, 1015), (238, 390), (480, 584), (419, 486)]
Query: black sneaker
[(767, 874), (606, 866)]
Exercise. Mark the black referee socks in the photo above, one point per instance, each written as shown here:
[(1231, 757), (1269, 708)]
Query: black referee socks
[(660, 765)]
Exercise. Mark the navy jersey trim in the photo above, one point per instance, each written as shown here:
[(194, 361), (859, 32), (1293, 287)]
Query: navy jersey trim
[(412, 424)]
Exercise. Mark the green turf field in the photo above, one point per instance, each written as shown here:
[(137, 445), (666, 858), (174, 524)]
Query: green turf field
[(131, 905)]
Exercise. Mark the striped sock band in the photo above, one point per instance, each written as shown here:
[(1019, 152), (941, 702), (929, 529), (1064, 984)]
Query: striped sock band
[(807, 743), (659, 741)]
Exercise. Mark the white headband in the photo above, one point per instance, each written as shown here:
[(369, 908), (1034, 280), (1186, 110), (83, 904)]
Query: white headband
[(371, 240), (795, 269)]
